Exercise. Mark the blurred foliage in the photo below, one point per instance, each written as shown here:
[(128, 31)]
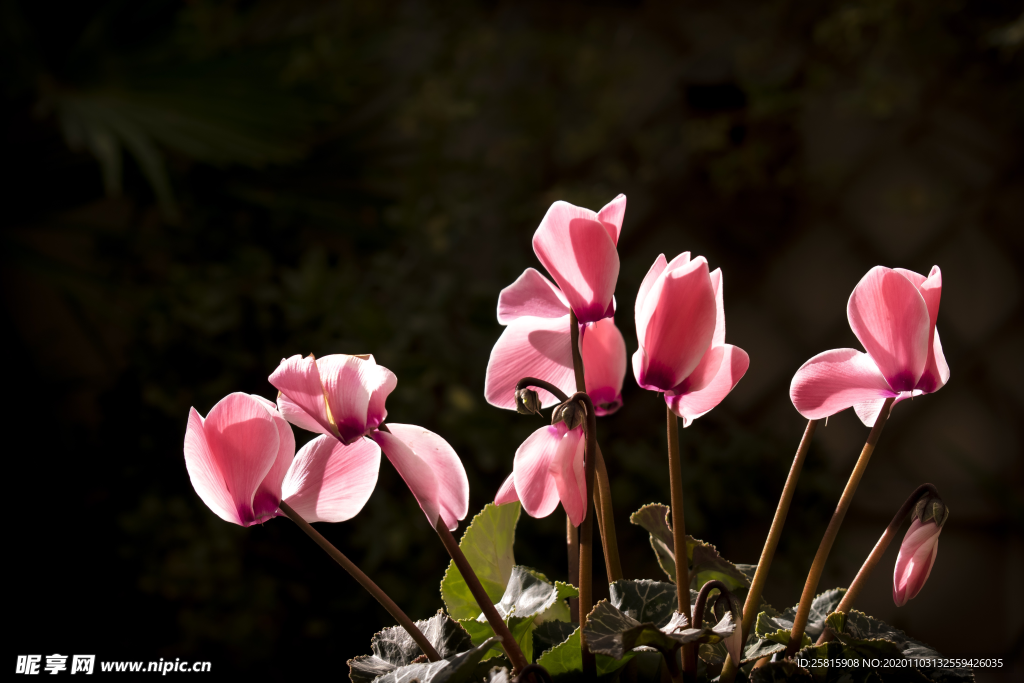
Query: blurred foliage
[(196, 190)]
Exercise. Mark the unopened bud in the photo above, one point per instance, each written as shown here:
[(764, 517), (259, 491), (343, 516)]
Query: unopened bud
[(930, 508), (527, 402), (570, 412)]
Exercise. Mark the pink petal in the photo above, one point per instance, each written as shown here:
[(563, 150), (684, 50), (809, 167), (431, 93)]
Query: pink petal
[(241, 447), (836, 380), (298, 379), (444, 462), (659, 266), (580, 255), (532, 471), (295, 414), (915, 561), (890, 318), (611, 216), (530, 347), (415, 472), (507, 492), (731, 366), (204, 472), (936, 371), (531, 295), (356, 390), (567, 471), (603, 350), (717, 281), (331, 482), (868, 411), (268, 495), (680, 315)]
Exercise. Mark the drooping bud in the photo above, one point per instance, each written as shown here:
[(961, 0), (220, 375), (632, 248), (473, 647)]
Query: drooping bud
[(930, 508), (916, 558), (527, 402), (570, 412)]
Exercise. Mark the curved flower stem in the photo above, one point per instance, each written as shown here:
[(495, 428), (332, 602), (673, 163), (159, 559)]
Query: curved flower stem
[(577, 358), (876, 554), (697, 618), (366, 582), (527, 382), (753, 601), (811, 585), (508, 643), (675, 475)]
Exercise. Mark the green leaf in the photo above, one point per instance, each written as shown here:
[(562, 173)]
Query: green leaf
[(394, 647), (756, 648), (646, 600), (705, 564), (776, 629), (612, 632), (864, 636), (566, 658), (487, 544), (821, 606), (454, 669), (529, 599), (551, 633)]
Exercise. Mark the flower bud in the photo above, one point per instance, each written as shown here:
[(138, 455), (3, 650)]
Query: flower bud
[(570, 412), (527, 402), (916, 558)]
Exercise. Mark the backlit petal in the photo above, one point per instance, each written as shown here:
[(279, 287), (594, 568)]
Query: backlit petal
[(331, 482), (580, 256), (205, 473), (530, 347), (507, 492), (681, 313), (732, 365), (415, 472), (298, 379), (645, 289), (890, 318), (268, 495), (531, 294), (612, 215), (836, 380), (603, 350), (532, 471), (452, 483), (567, 471)]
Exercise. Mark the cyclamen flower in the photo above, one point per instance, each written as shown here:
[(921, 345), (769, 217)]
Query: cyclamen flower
[(240, 460), (578, 248), (680, 323), (343, 397), (915, 561), (893, 313), (548, 469)]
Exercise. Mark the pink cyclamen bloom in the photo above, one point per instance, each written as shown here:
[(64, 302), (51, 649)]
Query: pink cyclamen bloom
[(537, 343), (343, 397), (680, 323), (548, 469), (893, 313), (240, 460), (578, 248), (915, 561)]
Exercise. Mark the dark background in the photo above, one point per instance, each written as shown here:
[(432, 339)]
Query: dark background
[(197, 189)]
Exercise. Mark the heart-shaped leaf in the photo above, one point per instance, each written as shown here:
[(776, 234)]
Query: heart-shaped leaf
[(394, 647)]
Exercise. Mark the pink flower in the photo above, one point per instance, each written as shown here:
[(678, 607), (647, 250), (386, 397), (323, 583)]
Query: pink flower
[(893, 313), (338, 395), (915, 561), (343, 396), (578, 248), (548, 469), (680, 323), (240, 461)]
